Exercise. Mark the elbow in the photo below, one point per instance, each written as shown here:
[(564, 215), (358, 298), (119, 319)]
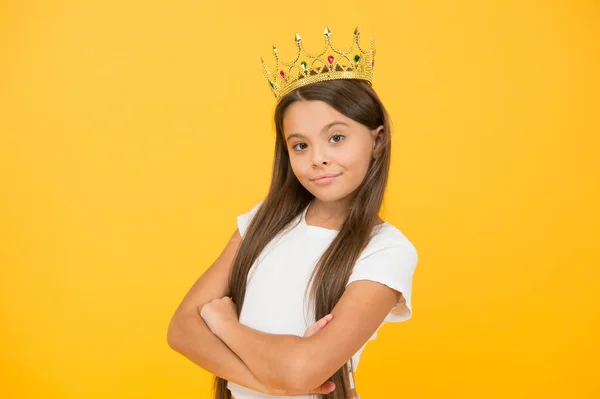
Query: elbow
[(296, 379), (303, 375), (173, 335), (176, 334)]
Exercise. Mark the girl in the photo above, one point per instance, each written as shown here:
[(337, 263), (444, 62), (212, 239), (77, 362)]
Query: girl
[(313, 249)]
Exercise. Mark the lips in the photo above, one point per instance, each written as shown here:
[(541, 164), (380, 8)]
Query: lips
[(326, 176)]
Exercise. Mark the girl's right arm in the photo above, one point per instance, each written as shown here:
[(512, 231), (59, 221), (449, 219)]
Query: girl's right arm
[(189, 335)]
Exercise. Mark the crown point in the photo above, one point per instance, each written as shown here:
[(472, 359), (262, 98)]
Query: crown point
[(356, 32), (274, 49), (327, 31), (298, 38)]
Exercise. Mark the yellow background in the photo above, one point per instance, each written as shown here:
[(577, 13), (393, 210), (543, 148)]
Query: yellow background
[(132, 134)]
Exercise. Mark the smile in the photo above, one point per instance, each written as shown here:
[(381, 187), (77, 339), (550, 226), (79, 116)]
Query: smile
[(326, 179)]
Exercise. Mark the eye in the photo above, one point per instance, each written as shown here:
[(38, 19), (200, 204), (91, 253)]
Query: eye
[(340, 137), (296, 145)]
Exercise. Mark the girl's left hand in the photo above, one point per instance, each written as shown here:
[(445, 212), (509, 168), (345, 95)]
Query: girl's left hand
[(218, 312)]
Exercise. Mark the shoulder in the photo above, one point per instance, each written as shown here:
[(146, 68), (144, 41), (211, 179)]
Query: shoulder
[(390, 259), (244, 219), (387, 237), (389, 254)]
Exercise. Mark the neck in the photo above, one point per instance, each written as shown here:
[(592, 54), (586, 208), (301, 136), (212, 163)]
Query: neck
[(329, 215), (329, 211)]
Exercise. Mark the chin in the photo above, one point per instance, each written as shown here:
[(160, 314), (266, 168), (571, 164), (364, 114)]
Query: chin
[(325, 193), (328, 195)]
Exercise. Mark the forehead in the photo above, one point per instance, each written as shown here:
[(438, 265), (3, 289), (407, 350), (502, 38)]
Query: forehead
[(309, 117)]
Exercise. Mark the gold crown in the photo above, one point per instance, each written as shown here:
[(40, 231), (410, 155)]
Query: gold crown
[(307, 68)]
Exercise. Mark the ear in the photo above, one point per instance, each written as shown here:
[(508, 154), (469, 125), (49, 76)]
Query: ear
[(377, 135)]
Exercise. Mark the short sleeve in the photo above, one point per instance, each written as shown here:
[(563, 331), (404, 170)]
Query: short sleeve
[(394, 266), (244, 220)]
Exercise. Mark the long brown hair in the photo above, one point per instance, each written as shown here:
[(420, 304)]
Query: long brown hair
[(287, 198)]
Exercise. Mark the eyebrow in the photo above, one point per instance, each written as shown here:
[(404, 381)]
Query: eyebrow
[(327, 126)]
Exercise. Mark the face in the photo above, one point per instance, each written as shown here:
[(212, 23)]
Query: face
[(329, 152)]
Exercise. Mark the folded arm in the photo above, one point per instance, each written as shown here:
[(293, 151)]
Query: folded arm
[(189, 335), (298, 362)]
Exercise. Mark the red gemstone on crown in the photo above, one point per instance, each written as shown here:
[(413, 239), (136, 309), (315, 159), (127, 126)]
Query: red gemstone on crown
[(282, 74), (330, 59)]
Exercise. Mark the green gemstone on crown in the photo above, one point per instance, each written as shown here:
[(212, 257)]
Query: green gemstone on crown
[(303, 63), (356, 58), (271, 83)]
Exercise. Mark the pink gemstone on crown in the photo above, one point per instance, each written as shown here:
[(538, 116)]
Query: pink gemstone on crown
[(330, 59)]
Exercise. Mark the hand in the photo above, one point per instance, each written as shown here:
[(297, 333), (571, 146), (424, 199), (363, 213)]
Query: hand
[(218, 313), (312, 330), (327, 386)]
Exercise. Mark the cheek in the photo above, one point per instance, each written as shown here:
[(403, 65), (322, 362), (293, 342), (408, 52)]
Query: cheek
[(298, 166), (356, 162)]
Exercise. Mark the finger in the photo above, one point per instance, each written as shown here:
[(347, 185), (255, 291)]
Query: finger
[(325, 388), (323, 321), (309, 331), (314, 328)]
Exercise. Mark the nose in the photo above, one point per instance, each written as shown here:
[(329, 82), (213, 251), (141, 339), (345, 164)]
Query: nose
[(319, 156)]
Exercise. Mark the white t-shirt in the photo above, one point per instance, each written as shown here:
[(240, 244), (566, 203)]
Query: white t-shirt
[(274, 301)]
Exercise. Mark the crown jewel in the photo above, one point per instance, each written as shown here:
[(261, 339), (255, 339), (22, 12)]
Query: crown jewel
[(330, 63)]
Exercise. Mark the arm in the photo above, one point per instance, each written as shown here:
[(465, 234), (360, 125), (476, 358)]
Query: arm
[(195, 341), (189, 335), (301, 362)]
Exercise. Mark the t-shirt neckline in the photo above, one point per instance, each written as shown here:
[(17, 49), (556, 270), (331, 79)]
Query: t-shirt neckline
[(317, 229), (323, 230)]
